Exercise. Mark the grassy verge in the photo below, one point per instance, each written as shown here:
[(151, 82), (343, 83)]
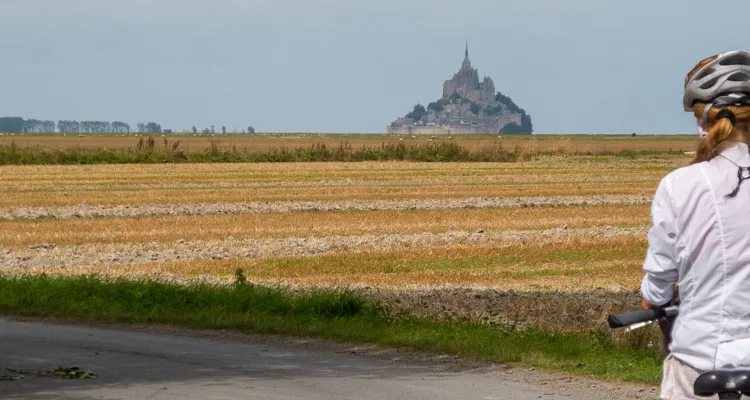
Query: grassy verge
[(148, 152), (334, 315)]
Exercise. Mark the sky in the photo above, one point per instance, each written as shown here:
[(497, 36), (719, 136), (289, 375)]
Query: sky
[(353, 66)]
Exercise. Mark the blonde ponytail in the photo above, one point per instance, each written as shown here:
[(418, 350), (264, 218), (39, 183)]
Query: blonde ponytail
[(721, 131)]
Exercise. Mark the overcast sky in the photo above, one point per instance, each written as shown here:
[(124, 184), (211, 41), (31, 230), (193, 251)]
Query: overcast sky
[(577, 66)]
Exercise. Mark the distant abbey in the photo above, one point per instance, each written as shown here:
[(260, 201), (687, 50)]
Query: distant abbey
[(466, 83), (468, 106)]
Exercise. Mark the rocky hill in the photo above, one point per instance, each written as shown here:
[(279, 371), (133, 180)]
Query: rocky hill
[(468, 106)]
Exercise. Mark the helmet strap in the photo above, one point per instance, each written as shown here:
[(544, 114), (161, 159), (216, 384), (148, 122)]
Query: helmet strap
[(704, 121), (703, 124)]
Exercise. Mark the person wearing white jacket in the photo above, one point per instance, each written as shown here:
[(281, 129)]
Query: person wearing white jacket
[(700, 239)]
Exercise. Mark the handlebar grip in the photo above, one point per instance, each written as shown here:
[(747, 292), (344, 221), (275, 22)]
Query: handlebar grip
[(634, 317)]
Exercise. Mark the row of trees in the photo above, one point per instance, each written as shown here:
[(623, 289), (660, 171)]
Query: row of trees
[(11, 124), (150, 127), (35, 125), (20, 125), (86, 127), (212, 130)]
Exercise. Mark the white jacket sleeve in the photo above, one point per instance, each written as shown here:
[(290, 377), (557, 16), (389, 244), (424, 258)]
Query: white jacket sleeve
[(661, 265)]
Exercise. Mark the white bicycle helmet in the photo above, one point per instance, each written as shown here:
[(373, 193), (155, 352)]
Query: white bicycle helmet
[(720, 80)]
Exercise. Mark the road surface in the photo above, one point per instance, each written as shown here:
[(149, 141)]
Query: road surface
[(132, 364)]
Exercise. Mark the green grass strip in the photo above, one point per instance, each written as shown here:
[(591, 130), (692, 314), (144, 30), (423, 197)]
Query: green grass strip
[(336, 315)]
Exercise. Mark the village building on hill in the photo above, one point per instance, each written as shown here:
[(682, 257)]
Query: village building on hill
[(468, 106)]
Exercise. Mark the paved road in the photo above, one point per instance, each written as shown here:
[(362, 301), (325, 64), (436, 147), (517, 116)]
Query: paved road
[(138, 365)]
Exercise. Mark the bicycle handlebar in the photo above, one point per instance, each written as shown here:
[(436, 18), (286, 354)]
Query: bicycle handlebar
[(727, 384), (634, 317)]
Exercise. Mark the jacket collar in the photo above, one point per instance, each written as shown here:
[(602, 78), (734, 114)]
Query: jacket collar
[(738, 152)]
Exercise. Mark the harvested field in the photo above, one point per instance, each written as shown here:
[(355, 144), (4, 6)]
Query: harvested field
[(150, 210), (426, 238), (50, 257), (525, 260), (287, 223), (582, 167), (44, 186), (325, 197)]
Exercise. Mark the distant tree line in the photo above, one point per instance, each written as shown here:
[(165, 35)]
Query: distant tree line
[(212, 130), (150, 127), (35, 125), (89, 127), (11, 124), (20, 125)]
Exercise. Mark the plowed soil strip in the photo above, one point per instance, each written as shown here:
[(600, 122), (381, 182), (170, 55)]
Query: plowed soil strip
[(515, 179), (87, 211)]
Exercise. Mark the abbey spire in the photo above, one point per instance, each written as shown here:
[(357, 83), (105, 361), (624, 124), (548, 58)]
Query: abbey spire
[(466, 63)]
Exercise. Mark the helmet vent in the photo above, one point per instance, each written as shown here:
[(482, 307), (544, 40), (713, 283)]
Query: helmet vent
[(709, 84), (737, 59), (705, 73), (739, 77)]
